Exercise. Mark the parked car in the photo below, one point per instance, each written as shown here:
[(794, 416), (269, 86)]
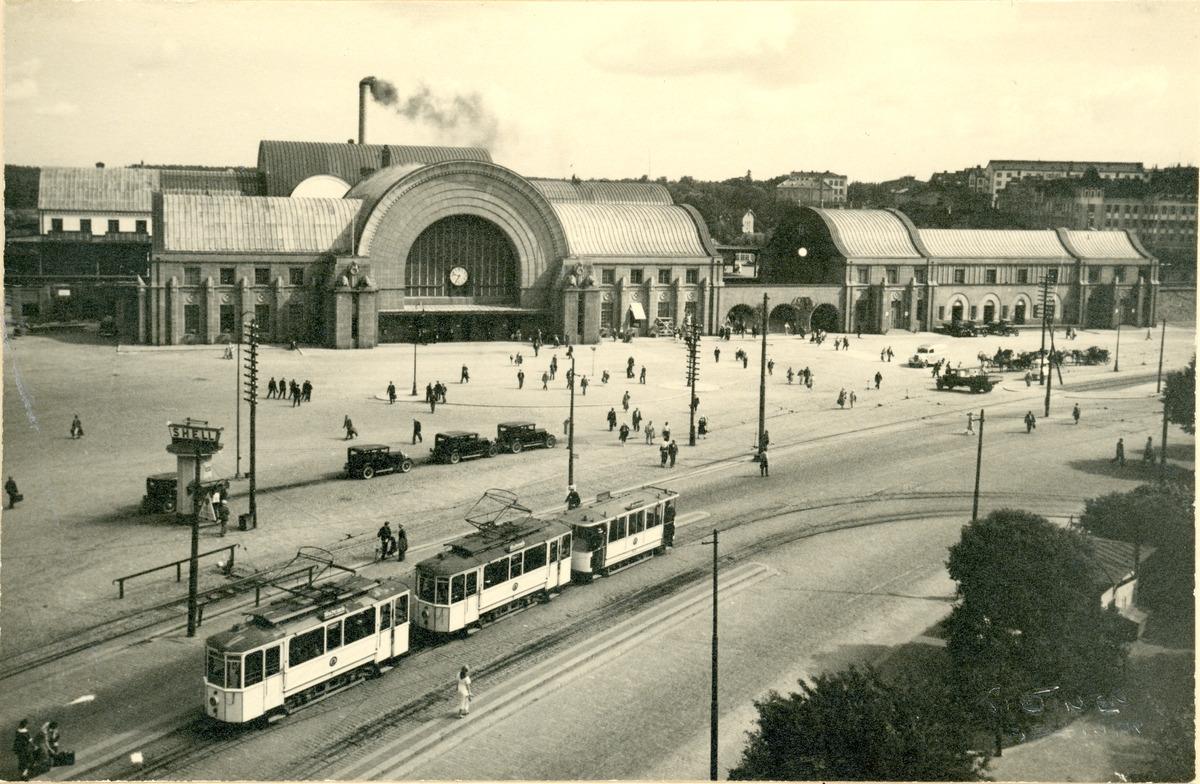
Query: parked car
[(160, 492), (366, 460), (515, 436), (457, 445), (927, 354), (1001, 328), (960, 329), (974, 380)]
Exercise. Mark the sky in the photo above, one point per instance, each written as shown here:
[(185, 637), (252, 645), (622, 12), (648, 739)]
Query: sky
[(871, 90)]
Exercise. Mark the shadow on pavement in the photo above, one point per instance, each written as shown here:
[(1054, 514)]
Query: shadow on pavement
[(1133, 469)]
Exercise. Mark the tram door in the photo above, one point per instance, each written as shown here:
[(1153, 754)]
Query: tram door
[(273, 680)]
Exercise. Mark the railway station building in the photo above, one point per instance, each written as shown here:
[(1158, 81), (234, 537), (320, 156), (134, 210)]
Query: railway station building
[(350, 245)]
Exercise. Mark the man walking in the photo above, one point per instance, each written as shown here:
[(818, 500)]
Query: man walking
[(1120, 456), (878, 378), (391, 393), (350, 431), (465, 377), (401, 542), (1148, 452), (417, 432), (1031, 422), (625, 402), (763, 465), (1075, 413), (520, 379), (637, 420), (673, 450), (612, 419), (14, 495), (623, 433), (386, 540)]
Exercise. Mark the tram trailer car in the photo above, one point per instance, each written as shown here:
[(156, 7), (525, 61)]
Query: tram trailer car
[(304, 647), (487, 574), (617, 531)]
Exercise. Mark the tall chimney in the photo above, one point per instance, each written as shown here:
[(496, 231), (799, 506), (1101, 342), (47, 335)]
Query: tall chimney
[(363, 87)]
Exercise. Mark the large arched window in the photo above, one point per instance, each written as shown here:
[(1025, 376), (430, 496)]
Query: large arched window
[(477, 252)]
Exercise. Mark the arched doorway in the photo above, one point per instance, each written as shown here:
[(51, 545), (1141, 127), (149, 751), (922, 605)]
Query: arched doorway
[(958, 309), (1020, 311), (1100, 309), (825, 318), (991, 309), (784, 319), (742, 318)]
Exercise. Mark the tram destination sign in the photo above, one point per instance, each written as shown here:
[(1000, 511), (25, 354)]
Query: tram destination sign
[(192, 432)]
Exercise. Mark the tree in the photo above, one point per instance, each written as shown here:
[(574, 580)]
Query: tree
[(1029, 616), (851, 726), (1179, 397)]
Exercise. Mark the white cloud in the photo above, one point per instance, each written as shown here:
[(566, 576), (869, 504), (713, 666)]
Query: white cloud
[(57, 109)]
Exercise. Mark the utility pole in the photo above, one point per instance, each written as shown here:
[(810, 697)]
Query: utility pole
[(762, 381), (1042, 356), (1162, 345), (1049, 373), (194, 561), (417, 324), (1117, 358), (251, 518), (571, 429), (692, 338), (712, 716), (237, 401), (978, 470)]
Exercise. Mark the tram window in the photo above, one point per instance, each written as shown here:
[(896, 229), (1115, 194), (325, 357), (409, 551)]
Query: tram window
[(216, 669), (402, 610), (565, 550), (306, 646), (456, 589), (360, 625), (272, 661), (385, 616), (535, 557), (472, 583), (333, 636), (637, 522), (515, 569), (443, 591), (495, 573), (254, 667), (233, 672), (425, 587), (554, 551), (652, 517), (616, 529)]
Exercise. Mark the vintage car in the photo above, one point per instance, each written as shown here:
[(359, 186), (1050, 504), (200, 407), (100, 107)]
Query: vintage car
[(973, 379), (515, 436), (366, 460), (160, 493), (1002, 328), (960, 329), (927, 354), (456, 445)]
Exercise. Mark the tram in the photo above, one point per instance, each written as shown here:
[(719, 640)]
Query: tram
[(504, 566), (616, 531), (304, 647)]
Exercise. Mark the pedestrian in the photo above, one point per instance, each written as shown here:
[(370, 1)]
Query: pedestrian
[(612, 419), (545, 380), (520, 379), (350, 431), (464, 691), (770, 367), (520, 359), (763, 465), (841, 399), (391, 393), (604, 377), (23, 750), (433, 404), (553, 366), (1028, 378), (428, 393), (790, 375), (297, 394), (889, 353), (1148, 452), (970, 421), (573, 500), (417, 432), (386, 540), (76, 428), (882, 354), (401, 542), (642, 378), (673, 450), (439, 389), (14, 495), (307, 389), (664, 451), (765, 441), (1030, 421), (702, 427), (853, 397), (623, 433), (1075, 413), (1120, 456), (716, 355), (567, 426), (271, 389), (745, 360), (695, 402), (625, 401), (465, 376), (650, 432), (46, 745), (808, 381), (878, 378), (636, 416), (583, 382), (666, 431)]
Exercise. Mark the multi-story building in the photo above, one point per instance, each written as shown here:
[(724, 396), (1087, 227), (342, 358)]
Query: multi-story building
[(813, 189), (1000, 173), (974, 178)]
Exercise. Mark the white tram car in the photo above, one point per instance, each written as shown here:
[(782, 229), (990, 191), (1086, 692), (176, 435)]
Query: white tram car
[(616, 531), (497, 569), (304, 647)]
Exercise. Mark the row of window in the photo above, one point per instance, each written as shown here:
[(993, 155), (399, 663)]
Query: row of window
[(608, 276), (228, 276), (664, 310), (233, 671), (448, 590), (990, 275), (989, 312), (85, 226)]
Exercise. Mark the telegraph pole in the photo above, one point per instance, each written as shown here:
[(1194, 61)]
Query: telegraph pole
[(251, 517), (237, 400), (194, 561), (692, 338), (712, 716), (978, 470), (1049, 373), (1162, 345), (1117, 358), (571, 429), (762, 381), (1045, 300)]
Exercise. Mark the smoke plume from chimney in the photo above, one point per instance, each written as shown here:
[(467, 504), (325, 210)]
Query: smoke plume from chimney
[(462, 119)]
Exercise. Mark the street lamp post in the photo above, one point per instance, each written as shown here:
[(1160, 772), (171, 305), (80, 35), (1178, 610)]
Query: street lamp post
[(571, 428), (1117, 357), (416, 339), (762, 379)]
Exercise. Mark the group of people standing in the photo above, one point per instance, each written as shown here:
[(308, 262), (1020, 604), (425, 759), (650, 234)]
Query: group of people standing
[(392, 543), (37, 753), (284, 390)]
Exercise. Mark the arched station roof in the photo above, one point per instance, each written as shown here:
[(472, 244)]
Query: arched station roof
[(603, 192), (253, 224), (1102, 245), (869, 233), (992, 244), (629, 230)]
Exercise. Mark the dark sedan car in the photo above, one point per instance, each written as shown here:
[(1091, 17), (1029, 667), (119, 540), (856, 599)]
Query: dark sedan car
[(457, 445), (515, 436), (366, 460)]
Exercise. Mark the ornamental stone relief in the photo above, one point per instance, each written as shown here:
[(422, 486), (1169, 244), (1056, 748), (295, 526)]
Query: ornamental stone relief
[(607, 296)]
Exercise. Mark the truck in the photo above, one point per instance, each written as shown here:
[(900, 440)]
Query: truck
[(973, 380)]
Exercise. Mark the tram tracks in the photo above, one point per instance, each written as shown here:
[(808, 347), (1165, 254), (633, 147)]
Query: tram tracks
[(172, 754)]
